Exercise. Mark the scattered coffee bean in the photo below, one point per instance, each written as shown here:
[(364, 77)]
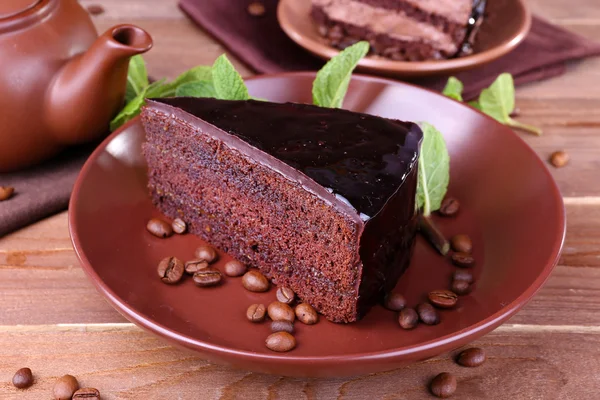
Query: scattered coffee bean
[(86, 394), (179, 226), (6, 192), (170, 270), (449, 207), (234, 268), (559, 158), (23, 378), (462, 243), (159, 228), (460, 287), (193, 266), (427, 314), (463, 260), (463, 275), (254, 281), (95, 9), (394, 302), (64, 387), (208, 277), (443, 298), (280, 341), (256, 9), (306, 314), (285, 295), (279, 311), (472, 357), (408, 318), (443, 385), (282, 326), (256, 313), (206, 253)]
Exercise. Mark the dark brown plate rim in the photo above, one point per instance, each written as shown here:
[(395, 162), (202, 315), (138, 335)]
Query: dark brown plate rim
[(477, 329)]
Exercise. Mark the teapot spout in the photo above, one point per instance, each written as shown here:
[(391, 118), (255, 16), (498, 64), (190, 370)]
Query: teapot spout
[(89, 90)]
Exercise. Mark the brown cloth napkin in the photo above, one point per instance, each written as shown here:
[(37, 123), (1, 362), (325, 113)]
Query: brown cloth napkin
[(264, 47), (260, 43)]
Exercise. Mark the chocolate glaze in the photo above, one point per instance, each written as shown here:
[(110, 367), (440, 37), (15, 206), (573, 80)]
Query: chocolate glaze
[(362, 159), (473, 24)]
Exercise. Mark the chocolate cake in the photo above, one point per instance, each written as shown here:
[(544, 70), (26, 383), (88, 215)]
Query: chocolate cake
[(409, 30), (320, 200)]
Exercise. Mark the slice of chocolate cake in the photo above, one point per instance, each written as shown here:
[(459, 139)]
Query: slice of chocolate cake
[(320, 200), (409, 30)]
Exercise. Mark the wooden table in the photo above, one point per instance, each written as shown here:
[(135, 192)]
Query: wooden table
[(52, 319)]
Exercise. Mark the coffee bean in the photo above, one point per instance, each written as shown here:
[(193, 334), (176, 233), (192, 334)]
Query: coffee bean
[(559, 158), (394, 302), (463, 260), (256, 313), (472, 357), (443, 298), (450, 207), (64, 387), (427, 314), (306, 314), (193, 266), (443, 385), (179, 226), (460, 287), (462, 243), (206, 253), (170, 270), (280, 341), (95, 9), (159, 228), (256, 9), (279, 311), (6, 192), (408, 318), (234, 268), (254, 281), (208, 277), (23, 378), (282, 326), (463, 275), (86, 394), (285, 295)]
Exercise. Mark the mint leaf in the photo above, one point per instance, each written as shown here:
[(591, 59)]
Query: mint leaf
[(131, 110), (227, 82), (475, 104), (331, 82), (454, 89), (156, 89), (196, 89), (434, 170), (199, 73), (498, 101), (137, 78)]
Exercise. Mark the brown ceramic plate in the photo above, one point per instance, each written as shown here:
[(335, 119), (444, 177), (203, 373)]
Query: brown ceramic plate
[(511, 208), (506, 25)]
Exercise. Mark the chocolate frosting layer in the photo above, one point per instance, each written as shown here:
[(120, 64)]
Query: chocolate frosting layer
[(361, 159)]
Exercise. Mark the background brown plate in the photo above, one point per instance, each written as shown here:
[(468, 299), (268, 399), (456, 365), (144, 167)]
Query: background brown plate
[(506, 25), (511, 208)]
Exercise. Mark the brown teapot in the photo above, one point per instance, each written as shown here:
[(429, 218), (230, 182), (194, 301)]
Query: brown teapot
[(60, 84)]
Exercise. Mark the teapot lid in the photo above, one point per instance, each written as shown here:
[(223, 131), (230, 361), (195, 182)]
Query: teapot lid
[(10, 8)]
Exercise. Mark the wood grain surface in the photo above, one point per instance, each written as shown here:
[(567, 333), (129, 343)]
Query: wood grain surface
[(52, 319)]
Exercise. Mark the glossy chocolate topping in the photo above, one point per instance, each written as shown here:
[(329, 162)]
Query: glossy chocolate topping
[(362, 159)]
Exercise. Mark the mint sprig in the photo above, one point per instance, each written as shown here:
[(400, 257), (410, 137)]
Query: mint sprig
[(434, 170), (137, 78), (331, 83), (497, 101), (454, 89)]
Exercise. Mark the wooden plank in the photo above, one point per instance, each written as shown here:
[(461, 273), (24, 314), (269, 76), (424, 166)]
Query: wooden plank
[(42, 286), (126, 363)]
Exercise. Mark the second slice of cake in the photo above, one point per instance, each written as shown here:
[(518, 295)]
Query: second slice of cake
[(320, 200)]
